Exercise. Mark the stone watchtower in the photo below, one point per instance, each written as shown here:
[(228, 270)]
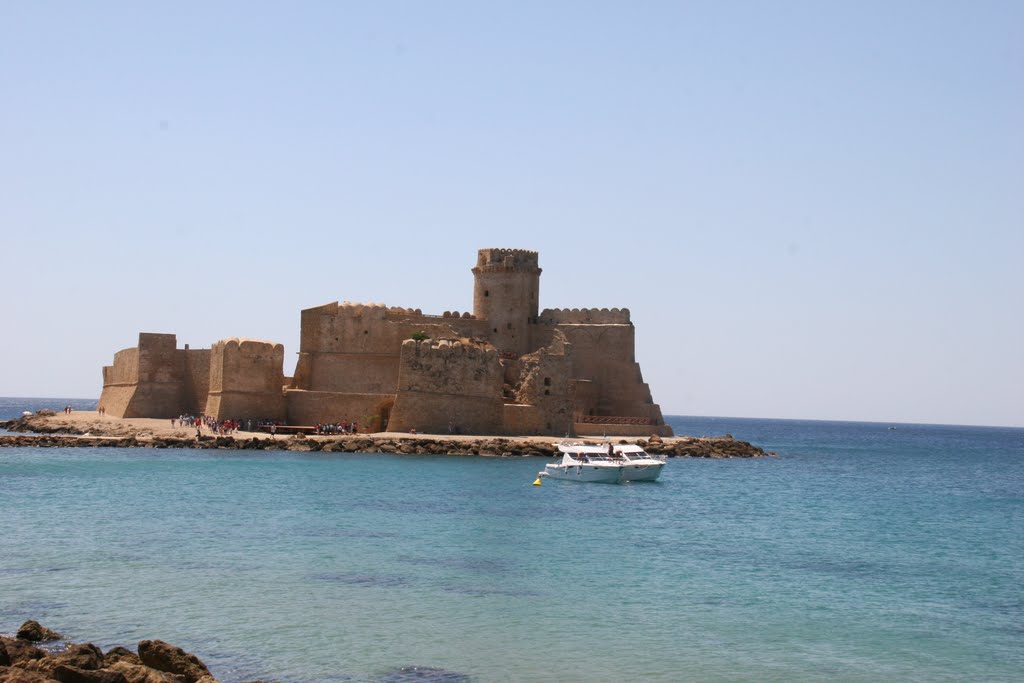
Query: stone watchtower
[(506, 290)]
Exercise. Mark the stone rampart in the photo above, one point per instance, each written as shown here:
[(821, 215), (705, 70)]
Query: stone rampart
[(197, 380), (355, 348), (584, 316), (448, 385), (246, 380), (146, 381), (370, 411), (450, 366)]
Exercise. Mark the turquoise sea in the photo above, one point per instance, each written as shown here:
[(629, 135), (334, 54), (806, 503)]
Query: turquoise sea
[(860, 553)]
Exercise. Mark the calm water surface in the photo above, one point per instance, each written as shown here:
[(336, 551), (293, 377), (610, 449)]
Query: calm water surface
[(861, 553)]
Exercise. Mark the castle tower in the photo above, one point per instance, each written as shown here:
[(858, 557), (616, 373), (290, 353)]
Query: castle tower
[(506, 289)]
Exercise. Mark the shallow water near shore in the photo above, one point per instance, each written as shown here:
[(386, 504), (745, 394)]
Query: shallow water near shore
[(861, 553)]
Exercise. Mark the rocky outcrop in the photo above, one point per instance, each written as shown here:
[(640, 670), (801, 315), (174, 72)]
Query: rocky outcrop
[(156, 662), (156, 654), (681, 447), (14, 651), (35, 632), (13, 674)]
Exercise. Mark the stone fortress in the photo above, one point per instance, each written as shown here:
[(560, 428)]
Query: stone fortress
[(505, 369)]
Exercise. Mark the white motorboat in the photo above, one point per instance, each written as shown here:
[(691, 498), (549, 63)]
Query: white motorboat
[(640, 465), (608, 464)]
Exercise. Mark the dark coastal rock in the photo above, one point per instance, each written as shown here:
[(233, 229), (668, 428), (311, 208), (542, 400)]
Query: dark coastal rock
[(35, 632), (166, 657), (20, 650), (70, 674), (86, 657), (120, 654), (138, 673), (13, 674)]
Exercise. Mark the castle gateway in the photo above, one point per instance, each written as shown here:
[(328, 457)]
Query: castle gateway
[(506, 369)]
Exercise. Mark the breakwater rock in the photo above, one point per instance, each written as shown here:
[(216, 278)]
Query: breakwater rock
[(50, 431), (154, 661), (685, 447)]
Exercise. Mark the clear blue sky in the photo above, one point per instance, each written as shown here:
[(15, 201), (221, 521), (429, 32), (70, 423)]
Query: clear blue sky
[(812, 209)]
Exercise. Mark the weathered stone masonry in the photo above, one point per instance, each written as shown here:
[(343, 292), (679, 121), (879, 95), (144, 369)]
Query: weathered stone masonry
[(507, 368)]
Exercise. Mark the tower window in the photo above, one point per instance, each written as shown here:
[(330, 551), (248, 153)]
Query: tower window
[(547, 381), (508, 325), (487, 292)]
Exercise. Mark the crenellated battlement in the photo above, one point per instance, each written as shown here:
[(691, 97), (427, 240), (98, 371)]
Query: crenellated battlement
[(496, 260), (451, 347), (584, 316), (245, 343)]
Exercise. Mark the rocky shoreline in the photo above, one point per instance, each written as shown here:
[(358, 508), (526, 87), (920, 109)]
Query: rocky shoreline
[(46, 430), (39, 655)]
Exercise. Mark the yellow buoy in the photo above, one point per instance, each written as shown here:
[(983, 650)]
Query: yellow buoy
[(537, 482)]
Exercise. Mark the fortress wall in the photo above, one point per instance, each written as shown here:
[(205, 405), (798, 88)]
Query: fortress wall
[(581, 316), (125, 369), (119, 382), (349, 373), (585, 396), (159, 362), (115, 399), (248, 366), (446, 413), (145, 381), (197, 380), (603, 354), (246, 380), (311, 407), (356, 348), (447, 385), (363, 328), (444, 366), (544, 383), (597, 347), (522, 420)]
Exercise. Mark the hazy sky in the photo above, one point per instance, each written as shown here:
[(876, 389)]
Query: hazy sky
[(812, 209)]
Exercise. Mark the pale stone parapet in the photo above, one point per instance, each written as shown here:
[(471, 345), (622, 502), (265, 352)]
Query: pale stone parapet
[(584, 316), (500, 259)]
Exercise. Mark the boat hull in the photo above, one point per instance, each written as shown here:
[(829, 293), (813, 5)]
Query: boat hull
[(601, 475), (641, 472)]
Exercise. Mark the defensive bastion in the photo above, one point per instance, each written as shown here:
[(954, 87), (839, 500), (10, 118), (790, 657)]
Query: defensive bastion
[(507, 368)]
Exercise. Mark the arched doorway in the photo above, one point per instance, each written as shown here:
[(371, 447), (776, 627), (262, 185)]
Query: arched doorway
[(384, 414)]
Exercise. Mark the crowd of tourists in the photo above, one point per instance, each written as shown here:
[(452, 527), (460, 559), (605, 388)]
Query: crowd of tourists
[(220, 427), (343, 427), (225, 427)]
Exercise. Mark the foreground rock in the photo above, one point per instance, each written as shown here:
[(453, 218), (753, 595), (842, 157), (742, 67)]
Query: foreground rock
[(156, 654), (156, 662)]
